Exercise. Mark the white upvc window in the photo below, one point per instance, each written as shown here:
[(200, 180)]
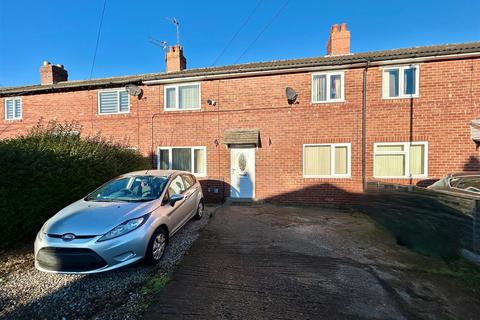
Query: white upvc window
[(113, 101), (185, 96), (13, 109), (191, 159), (401, 82), (327, 160), (400, 160), (328, 87)]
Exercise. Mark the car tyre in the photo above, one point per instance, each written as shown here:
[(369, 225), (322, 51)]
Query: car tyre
[(200, 211), (157, 246)]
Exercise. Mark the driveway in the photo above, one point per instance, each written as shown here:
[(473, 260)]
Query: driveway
[(271, 262)]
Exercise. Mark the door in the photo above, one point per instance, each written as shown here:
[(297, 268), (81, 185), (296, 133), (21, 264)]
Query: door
[(191, 194), (180, 211), (242, 162)]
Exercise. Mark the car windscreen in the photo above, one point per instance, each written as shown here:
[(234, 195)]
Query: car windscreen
[(130, 189)]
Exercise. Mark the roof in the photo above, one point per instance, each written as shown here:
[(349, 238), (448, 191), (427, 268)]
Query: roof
[(241, 136), (374, 56)]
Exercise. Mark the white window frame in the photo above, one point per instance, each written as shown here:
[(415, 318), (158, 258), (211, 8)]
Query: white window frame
[(332, 160), (406, 152), (177, 99), (401, 81), (118, 102), (192, 150), (328, 74), (13, 101)]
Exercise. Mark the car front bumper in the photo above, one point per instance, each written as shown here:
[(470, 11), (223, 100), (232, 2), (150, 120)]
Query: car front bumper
[(85, 256)]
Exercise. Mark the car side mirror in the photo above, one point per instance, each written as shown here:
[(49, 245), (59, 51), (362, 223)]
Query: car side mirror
[(174, 198)]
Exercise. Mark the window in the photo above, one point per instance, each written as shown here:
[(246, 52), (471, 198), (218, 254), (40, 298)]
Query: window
[(182, 97), (189, 180), (327, 87), (113, 101), (326, 160), (400, 82), (13, 109), (176, 186), (191, 159), (401, 160)]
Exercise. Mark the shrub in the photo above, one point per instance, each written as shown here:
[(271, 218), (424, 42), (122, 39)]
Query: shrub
[(50, 167)]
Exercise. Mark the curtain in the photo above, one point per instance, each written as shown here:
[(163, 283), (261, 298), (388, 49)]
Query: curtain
[(188, 97), (319, 88), (417, 157), (409, 80), (199, 160), (335, 87), (393, 81), (182, 159), (170, 98), (341, 157), (317, 160), (390, 165), (164, 160)]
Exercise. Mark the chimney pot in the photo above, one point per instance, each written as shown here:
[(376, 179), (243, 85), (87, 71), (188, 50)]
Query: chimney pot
[(338, 41), (175, 60)]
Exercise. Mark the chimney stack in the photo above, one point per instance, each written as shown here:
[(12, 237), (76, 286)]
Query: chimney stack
[(174, 59), (338, 41), (52, 73)]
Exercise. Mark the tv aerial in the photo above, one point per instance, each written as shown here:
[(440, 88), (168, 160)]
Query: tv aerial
[(177, 25)]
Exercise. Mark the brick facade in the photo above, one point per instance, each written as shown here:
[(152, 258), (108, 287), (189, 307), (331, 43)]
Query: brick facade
[(449, 98)]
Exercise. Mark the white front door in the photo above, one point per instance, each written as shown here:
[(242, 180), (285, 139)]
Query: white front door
[(242, 163)]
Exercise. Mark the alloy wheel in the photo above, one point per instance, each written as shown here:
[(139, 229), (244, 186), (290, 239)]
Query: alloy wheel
[(159, 246)]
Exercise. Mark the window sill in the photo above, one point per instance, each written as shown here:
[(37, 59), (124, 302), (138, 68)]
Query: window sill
[(401, 97), (328, 177), (112, 114), (14, 119), (329, 101), (181, 110), (402, 177)]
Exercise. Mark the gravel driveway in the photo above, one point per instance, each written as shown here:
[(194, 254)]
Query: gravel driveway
[(26, 293)]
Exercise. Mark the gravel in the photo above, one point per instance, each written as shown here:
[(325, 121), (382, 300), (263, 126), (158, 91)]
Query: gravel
[(26, 293)]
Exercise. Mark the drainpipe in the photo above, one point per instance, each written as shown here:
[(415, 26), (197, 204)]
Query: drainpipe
[(364, 127), (152, 152)]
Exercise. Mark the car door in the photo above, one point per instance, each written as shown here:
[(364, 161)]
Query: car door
[(190, 194), (179, 210)]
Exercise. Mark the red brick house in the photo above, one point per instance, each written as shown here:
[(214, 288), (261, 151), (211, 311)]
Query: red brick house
[(399, 115)]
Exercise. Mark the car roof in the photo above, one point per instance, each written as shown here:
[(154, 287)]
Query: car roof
[(159, 173)]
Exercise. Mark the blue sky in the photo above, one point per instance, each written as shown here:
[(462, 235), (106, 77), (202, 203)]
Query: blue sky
[(65, 31)]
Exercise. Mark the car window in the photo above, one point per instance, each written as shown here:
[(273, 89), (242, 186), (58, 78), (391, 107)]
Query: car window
[(471, 184), (189, 180), (176, 186)]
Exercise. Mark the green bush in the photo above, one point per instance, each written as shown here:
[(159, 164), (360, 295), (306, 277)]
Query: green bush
[(50, 167)]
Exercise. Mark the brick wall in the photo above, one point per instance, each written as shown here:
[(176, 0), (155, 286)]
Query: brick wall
[(449, 95)]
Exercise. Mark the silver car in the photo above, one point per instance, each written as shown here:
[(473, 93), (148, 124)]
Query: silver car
[(128, 219)]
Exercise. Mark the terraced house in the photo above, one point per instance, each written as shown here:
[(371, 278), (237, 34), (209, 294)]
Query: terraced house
[(400, 115)]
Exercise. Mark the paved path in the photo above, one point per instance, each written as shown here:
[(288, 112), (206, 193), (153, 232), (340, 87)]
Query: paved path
[(269, 262)]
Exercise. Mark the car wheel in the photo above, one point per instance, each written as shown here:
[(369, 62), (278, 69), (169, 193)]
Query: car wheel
[(200, 211), (156, 246)]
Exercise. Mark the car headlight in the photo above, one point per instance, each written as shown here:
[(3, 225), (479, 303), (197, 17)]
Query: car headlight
[(42, 233), (124, 228)]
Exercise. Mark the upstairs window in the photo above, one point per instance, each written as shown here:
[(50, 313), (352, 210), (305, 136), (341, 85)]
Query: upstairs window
[(401, 160), (13, 109), (400, 82), (191, 159), (182, 97), (113, 101), (327, 87)]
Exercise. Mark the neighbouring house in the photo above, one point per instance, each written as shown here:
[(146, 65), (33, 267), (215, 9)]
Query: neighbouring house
[(401, 116)]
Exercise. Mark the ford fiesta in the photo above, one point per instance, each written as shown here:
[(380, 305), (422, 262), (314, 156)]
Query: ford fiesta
[(127, 219)]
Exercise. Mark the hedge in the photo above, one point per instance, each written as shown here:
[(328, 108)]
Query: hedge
[(50, 167)]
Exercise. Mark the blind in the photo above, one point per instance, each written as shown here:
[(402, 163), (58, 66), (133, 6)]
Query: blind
[(389, 165), (9, 107), (417, 159), (188, 97), (341, 160), (18, 108), (124, 107), (199, 161), (317, 160), (109, 102), (319, 87)]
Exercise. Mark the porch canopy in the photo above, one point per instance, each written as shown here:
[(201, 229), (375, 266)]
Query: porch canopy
[(242, 136)]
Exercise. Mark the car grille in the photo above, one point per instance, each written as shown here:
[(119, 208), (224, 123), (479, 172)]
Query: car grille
[(69, 259), (59, 236)]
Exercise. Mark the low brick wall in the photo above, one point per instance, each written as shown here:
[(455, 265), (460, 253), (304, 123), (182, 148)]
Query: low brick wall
[(429, 222)]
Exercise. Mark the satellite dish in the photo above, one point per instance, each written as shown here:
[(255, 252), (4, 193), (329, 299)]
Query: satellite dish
[(291, 95), (133, 90)]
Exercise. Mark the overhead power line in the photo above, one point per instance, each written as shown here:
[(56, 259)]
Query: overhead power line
[(265, 28), (244, 24), (98, 38)]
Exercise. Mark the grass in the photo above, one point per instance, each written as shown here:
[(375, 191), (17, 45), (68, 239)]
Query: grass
[(155, 285)]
